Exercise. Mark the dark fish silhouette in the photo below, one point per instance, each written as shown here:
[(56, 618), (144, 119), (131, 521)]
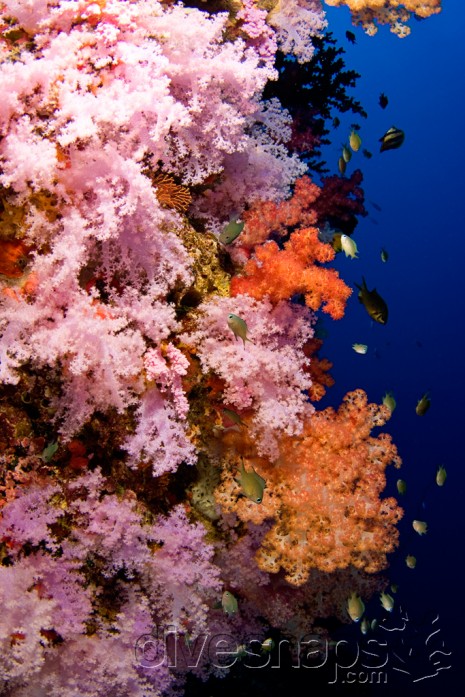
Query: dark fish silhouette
[(350, 36), (373, 303), (336, 122), (392, 139), (383, 100), (367, 153)]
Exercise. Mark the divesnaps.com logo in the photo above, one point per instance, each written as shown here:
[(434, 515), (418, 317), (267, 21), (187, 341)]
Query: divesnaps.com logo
[(397, 652)]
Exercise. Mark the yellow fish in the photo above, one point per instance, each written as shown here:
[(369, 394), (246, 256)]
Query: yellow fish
[(238, 327), (349, 247), (267, 645), (423, 405), (389, 401), (401, 486), (346, 154), (365, 626), (387, 601), (411, 561), (360, 348), (441, 475), (252, 484), (373, 303), (355, 607), (420, 527), (384, 255), (229, 603), (341, 165), (355, 141)]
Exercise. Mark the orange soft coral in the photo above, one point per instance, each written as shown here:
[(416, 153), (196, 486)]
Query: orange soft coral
[(323, 494), (282, 273), (319, 370), (392, 12)]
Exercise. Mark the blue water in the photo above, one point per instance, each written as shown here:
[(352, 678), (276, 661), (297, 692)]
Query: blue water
[(420, 189)]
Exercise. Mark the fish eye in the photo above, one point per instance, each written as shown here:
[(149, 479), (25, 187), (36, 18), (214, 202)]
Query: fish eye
[(230, 316), (259, 500)]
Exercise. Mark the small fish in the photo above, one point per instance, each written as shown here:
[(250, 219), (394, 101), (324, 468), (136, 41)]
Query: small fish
[(267, 645), (238, 327), (252, 484), (394, 587), (231, 232), (401, 486), (346, 154), (387, 601), (360, 348), (349, 247), (355, 141), (441, 475), (373, 303), (423, 405), (411, 561), (364, 626), (229, 603), (420, 527), (383, 100), (384, 255), (336, 122), (341, 165), (355, 607), (376, 206), (49, 452), (392, 139), (374, 625), (232, 416), (241, 651), (389, 401), (350, 36), (219, 430), (366, 153)]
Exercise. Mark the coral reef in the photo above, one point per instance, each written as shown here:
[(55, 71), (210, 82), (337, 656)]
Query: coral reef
[(395, 13), (130, 134)]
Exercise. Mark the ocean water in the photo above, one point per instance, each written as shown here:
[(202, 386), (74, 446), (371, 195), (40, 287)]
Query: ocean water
[(419, 188)]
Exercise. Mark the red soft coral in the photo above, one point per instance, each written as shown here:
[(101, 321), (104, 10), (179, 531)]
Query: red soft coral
[(282, 273)]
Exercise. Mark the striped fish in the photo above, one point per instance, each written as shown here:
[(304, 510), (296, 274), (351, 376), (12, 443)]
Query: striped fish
[(392, 139)]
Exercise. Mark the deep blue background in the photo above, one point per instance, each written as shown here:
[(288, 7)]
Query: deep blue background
[(421, 191)]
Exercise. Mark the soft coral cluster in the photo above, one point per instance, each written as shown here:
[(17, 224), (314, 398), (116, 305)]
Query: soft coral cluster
[(280, 274), (100, 96), (394, 13), (323, 494), (268, 377), (95, 579)]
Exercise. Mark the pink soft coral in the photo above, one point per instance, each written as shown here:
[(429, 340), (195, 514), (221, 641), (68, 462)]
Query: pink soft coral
[(267, 376)]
